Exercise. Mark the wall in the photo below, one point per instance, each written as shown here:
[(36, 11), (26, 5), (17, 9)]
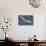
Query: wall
[(45, 27), (24, 32), (13, 8)]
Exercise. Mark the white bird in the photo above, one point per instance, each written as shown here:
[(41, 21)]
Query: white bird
[(25, 20)]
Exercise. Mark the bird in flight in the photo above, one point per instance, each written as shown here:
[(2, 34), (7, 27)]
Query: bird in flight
[(28, 21)]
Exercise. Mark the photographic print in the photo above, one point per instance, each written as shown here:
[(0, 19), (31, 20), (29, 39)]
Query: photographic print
[(25, 20)]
